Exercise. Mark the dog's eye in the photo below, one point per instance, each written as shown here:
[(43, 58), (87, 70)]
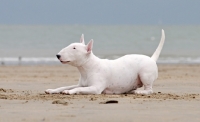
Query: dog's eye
[(74, 48)]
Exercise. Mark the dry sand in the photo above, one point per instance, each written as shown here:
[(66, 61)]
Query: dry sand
[(22, 98)]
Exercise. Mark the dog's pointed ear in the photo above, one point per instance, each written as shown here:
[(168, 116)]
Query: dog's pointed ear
[(82, 39), (89, 46)]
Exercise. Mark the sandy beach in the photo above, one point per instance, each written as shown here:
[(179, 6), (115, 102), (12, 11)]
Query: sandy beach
[(176, 97)]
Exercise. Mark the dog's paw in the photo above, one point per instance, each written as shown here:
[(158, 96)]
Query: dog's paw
[(144, 92), (65, 92), (50, 91)]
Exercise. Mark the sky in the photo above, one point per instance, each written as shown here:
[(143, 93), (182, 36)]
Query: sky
[(99, 12)]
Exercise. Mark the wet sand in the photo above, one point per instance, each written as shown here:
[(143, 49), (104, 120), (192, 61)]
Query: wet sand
[(176, 97)]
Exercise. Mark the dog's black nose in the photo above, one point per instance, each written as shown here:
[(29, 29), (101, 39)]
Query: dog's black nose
[(58, 56)]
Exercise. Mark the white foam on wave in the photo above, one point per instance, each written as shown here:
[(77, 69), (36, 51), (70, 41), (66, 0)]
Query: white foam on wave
[(51, 60), (39, 59), (28, 61), (179, 60)]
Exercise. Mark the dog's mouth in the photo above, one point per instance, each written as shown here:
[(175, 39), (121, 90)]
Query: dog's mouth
[(64, 62)]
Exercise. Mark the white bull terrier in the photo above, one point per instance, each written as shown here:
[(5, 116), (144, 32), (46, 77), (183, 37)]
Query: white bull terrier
[(122, 75)]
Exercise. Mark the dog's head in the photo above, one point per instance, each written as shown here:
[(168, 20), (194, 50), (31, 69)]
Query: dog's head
[(76, 54)]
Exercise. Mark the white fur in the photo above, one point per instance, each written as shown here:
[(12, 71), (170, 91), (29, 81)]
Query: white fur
[(123, 75)]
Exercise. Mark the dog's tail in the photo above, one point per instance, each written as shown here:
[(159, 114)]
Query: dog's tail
[(159, 48)]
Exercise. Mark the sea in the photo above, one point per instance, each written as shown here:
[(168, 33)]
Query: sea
[(39, 44)]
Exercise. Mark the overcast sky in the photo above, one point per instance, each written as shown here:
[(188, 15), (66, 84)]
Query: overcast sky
[(100, 12)]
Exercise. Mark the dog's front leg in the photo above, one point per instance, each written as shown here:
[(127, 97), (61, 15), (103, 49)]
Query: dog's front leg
[(59, 90), (84, 90)]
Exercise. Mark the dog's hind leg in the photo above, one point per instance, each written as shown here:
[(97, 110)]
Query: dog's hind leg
[(147, 80), (59, 90)]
